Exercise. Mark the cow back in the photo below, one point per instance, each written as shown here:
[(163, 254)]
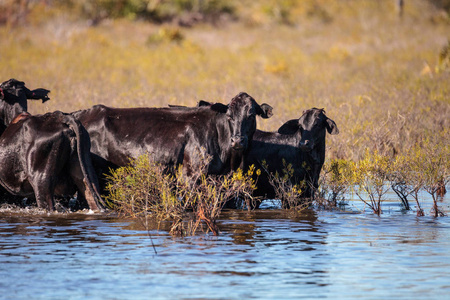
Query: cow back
[(170, 136)]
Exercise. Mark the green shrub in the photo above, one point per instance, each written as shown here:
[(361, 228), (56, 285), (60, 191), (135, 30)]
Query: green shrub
[(401, 181), (370, 178), (335, 181), (144, 189), (290, 192), (432, 160)]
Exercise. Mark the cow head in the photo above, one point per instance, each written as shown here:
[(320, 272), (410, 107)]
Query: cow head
[(312, 126), (13, 98), (241, 114)]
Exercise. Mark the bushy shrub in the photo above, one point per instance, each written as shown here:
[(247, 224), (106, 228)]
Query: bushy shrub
[(145, 189), (335, 181), (370, 179), (288, 189), (401, 181)]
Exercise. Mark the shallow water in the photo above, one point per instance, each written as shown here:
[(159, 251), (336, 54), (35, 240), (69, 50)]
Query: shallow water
[(265, 254)]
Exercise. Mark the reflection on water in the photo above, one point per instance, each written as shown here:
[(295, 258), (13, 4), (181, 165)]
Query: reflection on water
[(265, 254)]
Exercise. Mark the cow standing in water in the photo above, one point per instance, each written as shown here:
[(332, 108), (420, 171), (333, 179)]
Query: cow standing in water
[(43, 155), (173, 136), (17, 103), (300, 142)]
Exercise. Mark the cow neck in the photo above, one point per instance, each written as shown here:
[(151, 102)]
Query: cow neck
[(10, 112), (290, 139), (224, 134), (319, 151)]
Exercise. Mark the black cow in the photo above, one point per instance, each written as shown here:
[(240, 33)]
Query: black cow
[(44, 155), (300, 142), (174, 136), (15, 102)]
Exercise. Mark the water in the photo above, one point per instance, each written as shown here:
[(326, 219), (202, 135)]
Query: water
[(266, 254)]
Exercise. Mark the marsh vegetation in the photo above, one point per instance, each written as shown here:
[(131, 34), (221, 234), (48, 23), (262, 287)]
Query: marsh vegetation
[(383, 77)]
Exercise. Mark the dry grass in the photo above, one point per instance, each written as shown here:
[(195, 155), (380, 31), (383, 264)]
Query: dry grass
[(374, 73)]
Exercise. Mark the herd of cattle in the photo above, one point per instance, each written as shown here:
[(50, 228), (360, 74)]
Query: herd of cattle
[(59, 154)]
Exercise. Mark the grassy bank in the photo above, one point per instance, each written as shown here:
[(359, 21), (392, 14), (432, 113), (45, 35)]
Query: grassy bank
[(379, 76)]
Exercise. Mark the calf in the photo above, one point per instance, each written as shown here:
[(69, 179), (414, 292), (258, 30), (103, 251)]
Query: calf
[(174, 136), (300, 142)]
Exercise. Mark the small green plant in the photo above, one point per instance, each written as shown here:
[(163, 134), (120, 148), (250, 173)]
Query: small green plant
[(290, 193), (436, 160), (400, 180), (370, 177), (423, 167), (142, 189), (416, 178), (335, 181), (145, 189)]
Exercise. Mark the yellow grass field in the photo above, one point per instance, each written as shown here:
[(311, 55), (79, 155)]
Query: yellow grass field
[(377, 75)]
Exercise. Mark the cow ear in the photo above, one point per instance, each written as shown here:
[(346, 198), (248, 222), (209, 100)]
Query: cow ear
[(203, 103), (219, 107), (14, 83), (37, 94), (331, 127), (290, 127), (265, 111)]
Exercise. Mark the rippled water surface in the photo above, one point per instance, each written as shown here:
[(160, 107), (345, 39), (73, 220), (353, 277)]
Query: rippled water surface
[(265, 254)]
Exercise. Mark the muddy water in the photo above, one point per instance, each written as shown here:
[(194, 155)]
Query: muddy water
[(266, 254)]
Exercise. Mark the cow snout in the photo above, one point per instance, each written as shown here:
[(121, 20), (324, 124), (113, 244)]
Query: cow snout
[(306, 145), (238, 142)]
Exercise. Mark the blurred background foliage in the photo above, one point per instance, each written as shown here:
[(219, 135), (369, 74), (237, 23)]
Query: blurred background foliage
[(189, 12), (381, 69)]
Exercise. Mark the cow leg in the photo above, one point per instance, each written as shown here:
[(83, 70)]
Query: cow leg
[(46, 163), (43, 189), (84, 193)]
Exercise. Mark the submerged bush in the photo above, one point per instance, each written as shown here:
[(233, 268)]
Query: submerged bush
[(335, 181), (424, 167), (142, 188), (287, 189), (145, 189), (370, 178), (431, 163)]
